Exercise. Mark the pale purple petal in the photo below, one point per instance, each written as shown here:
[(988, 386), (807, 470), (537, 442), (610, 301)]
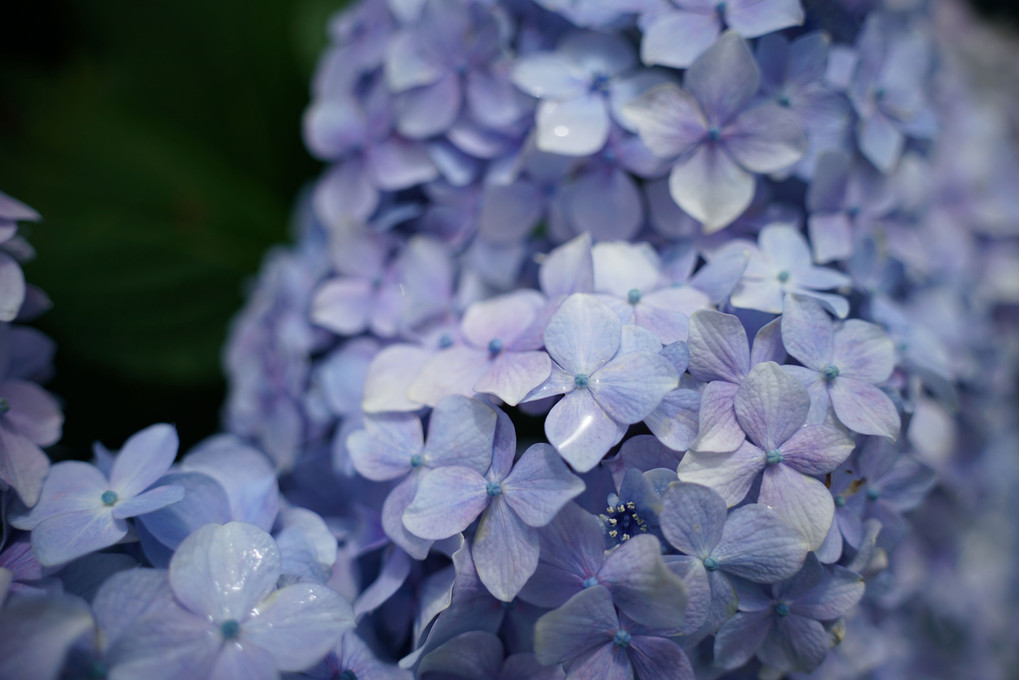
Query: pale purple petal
[(144, 458), (32, 411), (676, 38), (447, 500), (250, 662), (505, 550), (575, 127), (509, 211), (587, 621), (461, 432), (452, 371), (36, 633), (512, 375), (795, 642), (128, 597), (606, 202), (342, 305), (150, 501), (658, 657), (583, 334), (23, 466), (739, 637), (758, 545), (724, 79), (753, 18), (864, 351), (393, 509), (668, 119), (630, 386), (730, 474), (398, 163), (580, 430), (674, 421), (711, 187), (245, 474), (568, 268), (692, 518), (540, 485), (771, 405), (766, 138), (345, 191), (864, 408), (390, 375), (409, 64), (832, 598), (830, 236), (206, 501), (718, 347), (642, 586), (572, 550), (802, 501), (880, 141), (299, 624), (548, 76), (428, 110), (71, 486), (225, 571), (382, 450), (768, 344), (816, 449), (718, 429), (12, 285), (65, 537)]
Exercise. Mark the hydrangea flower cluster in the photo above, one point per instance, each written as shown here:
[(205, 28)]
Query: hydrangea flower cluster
[(639, 340)]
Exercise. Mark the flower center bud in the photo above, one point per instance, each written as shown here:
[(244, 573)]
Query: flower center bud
[(493, 488), (109, 497), (853, 210), (4, 406), (581, 379), (782, 609), (784, 102), (229, 629), (710, 563), (590, 581), (600, 83), (416, 460), (445, 341), (714, 134), (773, 456), (782, 276), (840, 501), (494, 346), (621, 639), (720, 8), (633, 296), (831, 372), (873, 494), (97, 670), (347, 675)]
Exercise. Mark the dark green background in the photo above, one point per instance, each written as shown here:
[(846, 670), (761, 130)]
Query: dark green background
[(161, 143)]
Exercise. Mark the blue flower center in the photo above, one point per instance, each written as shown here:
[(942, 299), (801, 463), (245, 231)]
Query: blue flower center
[(633, 296), (493, 488), (782, 609), (97, 670), (873, 493), (347, 675), (590, 581), (720, 8), (782, 276), (621, 639), (710, 563), (4, 406), (880, 93), (784, 102), (714, 134), (581, 379), (507, 606), (853, 210), (622, 520), (445, 341), (229, 629), (416, 460), (831, 372), (773, 456), (494, 346), (600, 83), (840, 501), (109, 497)]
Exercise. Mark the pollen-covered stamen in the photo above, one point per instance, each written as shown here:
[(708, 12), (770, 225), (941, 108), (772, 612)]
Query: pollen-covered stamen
[(581, 379), (633, 296), (5, 406), (622, 520), (622, 638), (831, 372), (109, 497), (494, 346), (710, 563), (773, 456), (493, 489), (229, 629), (782, 609)]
